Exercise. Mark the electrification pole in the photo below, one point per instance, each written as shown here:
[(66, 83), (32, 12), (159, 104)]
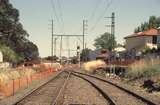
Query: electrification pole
[(61, 49), (61, 44), (84, 31), (55, 46), (112, 25), (68, 45), (52, 41), (78, 56)]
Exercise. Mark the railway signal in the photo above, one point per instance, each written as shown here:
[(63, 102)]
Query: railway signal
[(78, 55)]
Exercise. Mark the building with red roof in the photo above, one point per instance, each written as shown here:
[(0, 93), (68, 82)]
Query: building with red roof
[(139, 41)]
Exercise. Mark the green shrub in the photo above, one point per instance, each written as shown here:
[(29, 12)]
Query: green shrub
[(9, 55)]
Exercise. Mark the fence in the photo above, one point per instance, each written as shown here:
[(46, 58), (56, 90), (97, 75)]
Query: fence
[(121, 62), (9, 88)]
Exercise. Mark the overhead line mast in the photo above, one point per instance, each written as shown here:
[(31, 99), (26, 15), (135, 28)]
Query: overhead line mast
[(85, 25), (112, 25), (56, 16), (61, 14), (52, 41), (101, 16)]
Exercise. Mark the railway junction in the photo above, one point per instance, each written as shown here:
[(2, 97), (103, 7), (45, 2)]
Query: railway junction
[(92, 66), (74, 87)]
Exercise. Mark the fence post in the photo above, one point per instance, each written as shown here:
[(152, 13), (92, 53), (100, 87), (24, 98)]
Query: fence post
[(31, 78), (0, 83), (19, 82), (27, 81), (13, 86), (40, 75)]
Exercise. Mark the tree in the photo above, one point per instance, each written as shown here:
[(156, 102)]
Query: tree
[(105, 41), (158, 21), (74, 60), (9, 55), (30, 51), (85, 54), (50, 58), (153, 22), (12, 33)]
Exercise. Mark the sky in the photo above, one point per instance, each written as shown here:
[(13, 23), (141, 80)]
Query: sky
[(67, 15)]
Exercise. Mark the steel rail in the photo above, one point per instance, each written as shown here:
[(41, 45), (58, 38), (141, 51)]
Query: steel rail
[(31, 92), (104, 94), (55, 102), (148, 101)]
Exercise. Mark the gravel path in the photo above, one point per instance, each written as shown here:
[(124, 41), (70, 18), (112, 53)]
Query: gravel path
[(81, 92)]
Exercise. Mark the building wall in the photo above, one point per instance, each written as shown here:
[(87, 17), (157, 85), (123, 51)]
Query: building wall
[(138, 43), (149, 42), (134, 42), (148, 39)]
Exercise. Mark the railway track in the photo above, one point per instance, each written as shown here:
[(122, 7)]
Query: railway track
[(52, 92), (47, 94), (108, 99), (115, 94)]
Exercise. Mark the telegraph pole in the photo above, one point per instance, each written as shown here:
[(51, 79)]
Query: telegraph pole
[(84, 31), (85, 45), (78, 56), (55, 46), (112, 25), (68, 45), (52, 41), (61, 39), (61, 49)]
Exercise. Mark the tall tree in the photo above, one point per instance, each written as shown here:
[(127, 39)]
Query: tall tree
[(12, 33), (153, 22), (9, 55), (105, 41), (85, 54)]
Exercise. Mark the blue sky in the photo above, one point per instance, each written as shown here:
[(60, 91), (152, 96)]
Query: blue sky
[(35, 16)]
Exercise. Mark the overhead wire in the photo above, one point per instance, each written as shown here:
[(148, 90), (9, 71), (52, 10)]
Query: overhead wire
[(92, 14), (108, 4), (61, 14), (56, 15), (94, 10)]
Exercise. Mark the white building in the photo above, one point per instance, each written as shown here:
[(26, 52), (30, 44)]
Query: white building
[(146, 39), (1, 57)]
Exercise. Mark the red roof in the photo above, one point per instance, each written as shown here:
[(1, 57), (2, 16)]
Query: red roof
[(150, 32)]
